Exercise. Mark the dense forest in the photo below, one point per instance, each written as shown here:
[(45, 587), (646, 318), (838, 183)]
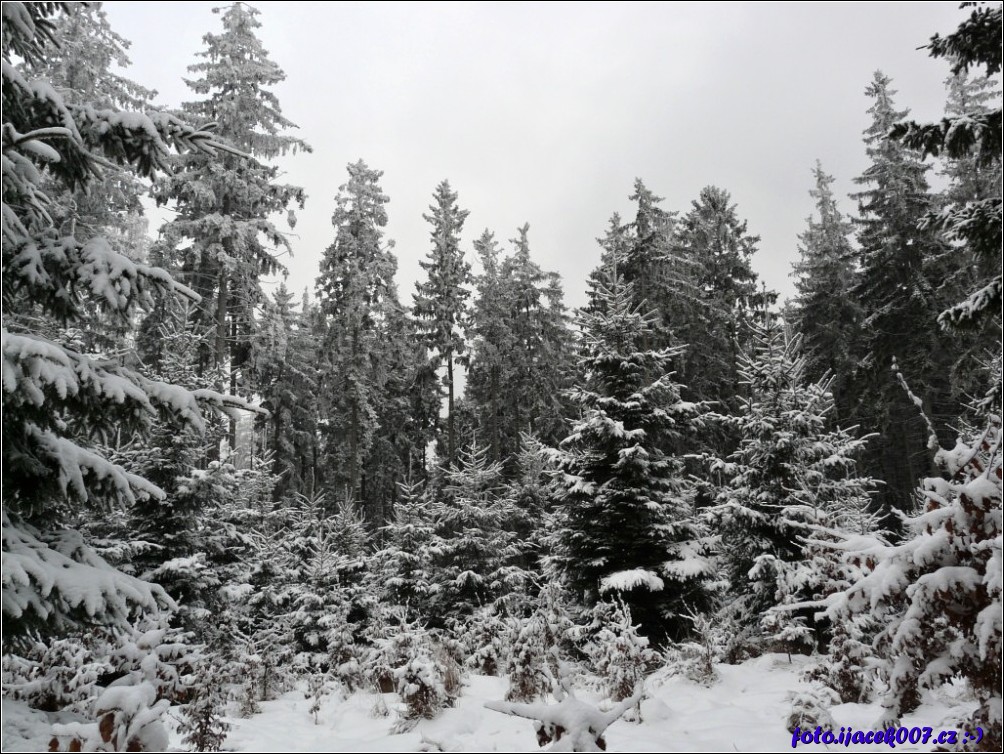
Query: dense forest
[(215, 493)]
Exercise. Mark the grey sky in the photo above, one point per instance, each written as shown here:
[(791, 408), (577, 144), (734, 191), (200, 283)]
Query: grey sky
[(547, 113)]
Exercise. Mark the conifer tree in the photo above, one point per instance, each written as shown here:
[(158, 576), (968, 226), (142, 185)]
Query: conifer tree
[(285, 371), (404, 564), (936, 597), (355, 290), (791, 474), (475, 550), (975, 223), (223, 238), (82, 70), (896, 291), (56, 398), (626, 524), (492, 342), (519, 356), (718, 242), (440, 301), (823, 312)]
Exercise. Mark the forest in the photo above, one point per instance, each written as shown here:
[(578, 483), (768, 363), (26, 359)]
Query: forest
[(360, 508)]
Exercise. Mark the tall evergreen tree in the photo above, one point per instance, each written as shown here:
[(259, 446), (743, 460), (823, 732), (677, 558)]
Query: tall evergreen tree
[(285, 371), (896, 292), (626, 524), (492, 342), (969, 138), (441, 300), (520, 350), (823, 311), (975, 222), (355, 292), (223, 238), (718, 241)]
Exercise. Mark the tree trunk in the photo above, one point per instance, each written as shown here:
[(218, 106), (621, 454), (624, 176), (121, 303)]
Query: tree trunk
[(450, 426)]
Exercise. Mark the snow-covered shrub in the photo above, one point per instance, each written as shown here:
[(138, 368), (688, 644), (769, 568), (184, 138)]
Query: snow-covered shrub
[(620, 656), (318, 687), (810, 708), (422, 687), (128, 719), (60, 675), (533, 641), (484, 637), (849, 668), (158, 655), (202, 726), (409, 659), (696, 659), (449, 655)]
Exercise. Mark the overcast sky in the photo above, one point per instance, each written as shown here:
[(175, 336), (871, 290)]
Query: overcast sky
[(546, 113)]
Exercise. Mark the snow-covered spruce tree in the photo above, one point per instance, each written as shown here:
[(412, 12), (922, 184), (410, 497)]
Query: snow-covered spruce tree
[(791, 474), (404, 563), (663, 274), (619, 655), (897, 289), (355, 290), (54, 396), (284, 369), (535, 644), (222, 239), (174, 537), (331, 598), (441, 301), (82, 69), (475, 549), (969, 140), (532, 490), (936, 597), (519, 359), (626, 522), (822, 312), (975, 222), (712, 237)]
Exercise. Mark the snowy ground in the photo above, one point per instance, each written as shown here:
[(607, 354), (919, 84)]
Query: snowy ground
[(745, 710)]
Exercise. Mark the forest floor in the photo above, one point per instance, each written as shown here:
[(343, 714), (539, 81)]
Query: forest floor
[(744, 709)]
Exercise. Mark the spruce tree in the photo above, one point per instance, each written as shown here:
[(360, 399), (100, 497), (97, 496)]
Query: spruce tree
[(354, 290), (285, 370), (57, 398), (626, 524), (519, 355), (404, 563), (223, 238), (475, 552), (896, 290), (492, 342), (791, 474), (718, 242), (823, 312), (936, 597), (440, 301)]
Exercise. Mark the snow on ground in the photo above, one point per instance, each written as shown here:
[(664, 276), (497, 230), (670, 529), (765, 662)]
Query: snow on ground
[(745, 710)]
